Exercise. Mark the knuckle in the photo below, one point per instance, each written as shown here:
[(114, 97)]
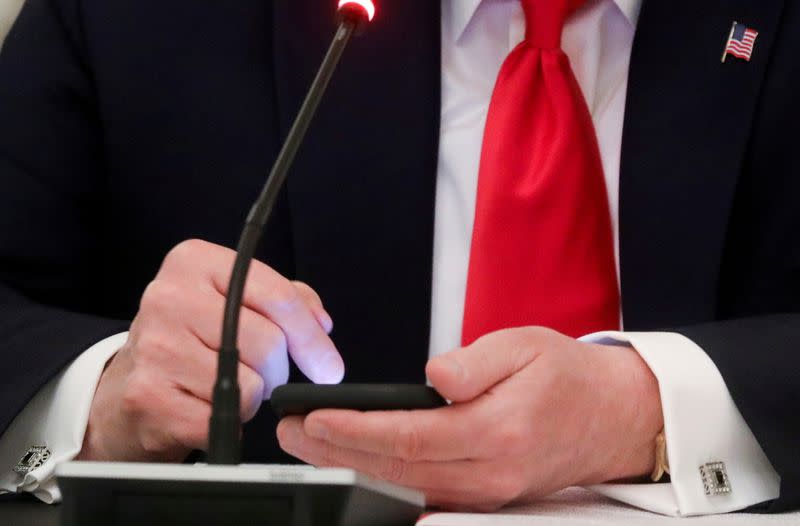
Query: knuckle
[(159, 296), (284, 295), (320, 455), (302, 286), (328, 456), (536, 337), (511, 438), (523, 345), (392, 470), (486, 360), (307, 292), (153, 347), (136, 395), (185, 251), (534, 332), (408, 441)]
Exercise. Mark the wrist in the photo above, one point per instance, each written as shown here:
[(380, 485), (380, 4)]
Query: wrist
[(641, 416), (92, 448)]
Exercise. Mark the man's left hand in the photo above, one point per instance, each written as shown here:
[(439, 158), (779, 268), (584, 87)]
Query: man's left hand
[(533, 412)]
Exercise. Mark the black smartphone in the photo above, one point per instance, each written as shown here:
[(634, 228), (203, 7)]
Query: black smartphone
[(301, 399)]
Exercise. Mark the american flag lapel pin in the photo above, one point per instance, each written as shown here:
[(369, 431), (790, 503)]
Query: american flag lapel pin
[(741, 42)]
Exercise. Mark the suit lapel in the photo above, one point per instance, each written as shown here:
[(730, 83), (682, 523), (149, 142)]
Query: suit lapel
[(362, 192), (687, 127)]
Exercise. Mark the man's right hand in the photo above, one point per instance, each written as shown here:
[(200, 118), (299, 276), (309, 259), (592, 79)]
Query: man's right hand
[(153, 402)]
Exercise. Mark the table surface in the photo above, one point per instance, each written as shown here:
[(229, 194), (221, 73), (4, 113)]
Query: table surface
[(579, 507), (570, 508)]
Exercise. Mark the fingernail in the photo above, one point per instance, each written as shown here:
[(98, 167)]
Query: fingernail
[(329, 369), (317, 429), (455, 368), (325, 321), (291, 437)]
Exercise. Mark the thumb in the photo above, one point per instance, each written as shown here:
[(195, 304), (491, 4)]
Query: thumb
[(466, 373)]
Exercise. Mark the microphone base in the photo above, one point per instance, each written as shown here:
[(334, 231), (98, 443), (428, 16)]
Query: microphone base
[(125, 494)]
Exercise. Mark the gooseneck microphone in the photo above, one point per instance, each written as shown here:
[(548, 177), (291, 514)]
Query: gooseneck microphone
[(221, 492), (225, 422)]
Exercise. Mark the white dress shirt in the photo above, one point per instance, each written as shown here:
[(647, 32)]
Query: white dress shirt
[(9, 9), (702, 423)]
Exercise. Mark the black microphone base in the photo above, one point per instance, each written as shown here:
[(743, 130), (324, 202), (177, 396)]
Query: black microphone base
[(121, 494)]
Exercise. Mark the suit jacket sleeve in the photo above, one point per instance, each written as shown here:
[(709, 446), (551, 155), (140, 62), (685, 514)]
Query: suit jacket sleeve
[(50, 216), (759, 360)]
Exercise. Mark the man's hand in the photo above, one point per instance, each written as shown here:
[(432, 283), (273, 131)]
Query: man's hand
[(533, 412), (153, 400)]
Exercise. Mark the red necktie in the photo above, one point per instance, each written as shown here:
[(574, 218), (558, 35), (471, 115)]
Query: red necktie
[(542, 246)]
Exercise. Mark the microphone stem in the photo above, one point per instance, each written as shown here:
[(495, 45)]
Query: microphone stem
[(225, 423)]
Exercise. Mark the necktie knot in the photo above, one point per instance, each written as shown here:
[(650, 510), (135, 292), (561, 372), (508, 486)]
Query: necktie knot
[(545, 19)]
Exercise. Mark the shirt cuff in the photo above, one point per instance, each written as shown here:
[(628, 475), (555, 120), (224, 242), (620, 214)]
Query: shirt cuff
[(702, 425), (56, 418)]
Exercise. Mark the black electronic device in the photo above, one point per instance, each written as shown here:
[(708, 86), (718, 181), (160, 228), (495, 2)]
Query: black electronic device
[(301, 399)]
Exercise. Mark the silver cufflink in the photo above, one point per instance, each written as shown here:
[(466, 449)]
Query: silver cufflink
[(34, 458), (715, 478)]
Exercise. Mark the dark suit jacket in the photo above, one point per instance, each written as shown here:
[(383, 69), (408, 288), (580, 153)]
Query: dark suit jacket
[(128, 126)]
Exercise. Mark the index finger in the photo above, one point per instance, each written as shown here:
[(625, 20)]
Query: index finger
[(442, 434), (273, 296), (308, 343)]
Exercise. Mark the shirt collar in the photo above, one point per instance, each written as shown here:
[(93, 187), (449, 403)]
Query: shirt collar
[(462, 11), (631, 9)]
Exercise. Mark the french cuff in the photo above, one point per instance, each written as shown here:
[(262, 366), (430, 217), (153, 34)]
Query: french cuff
[(54, 422), (716, 464)]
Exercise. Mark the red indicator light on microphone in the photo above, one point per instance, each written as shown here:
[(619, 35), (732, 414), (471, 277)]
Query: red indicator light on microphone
[(367, 5)]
